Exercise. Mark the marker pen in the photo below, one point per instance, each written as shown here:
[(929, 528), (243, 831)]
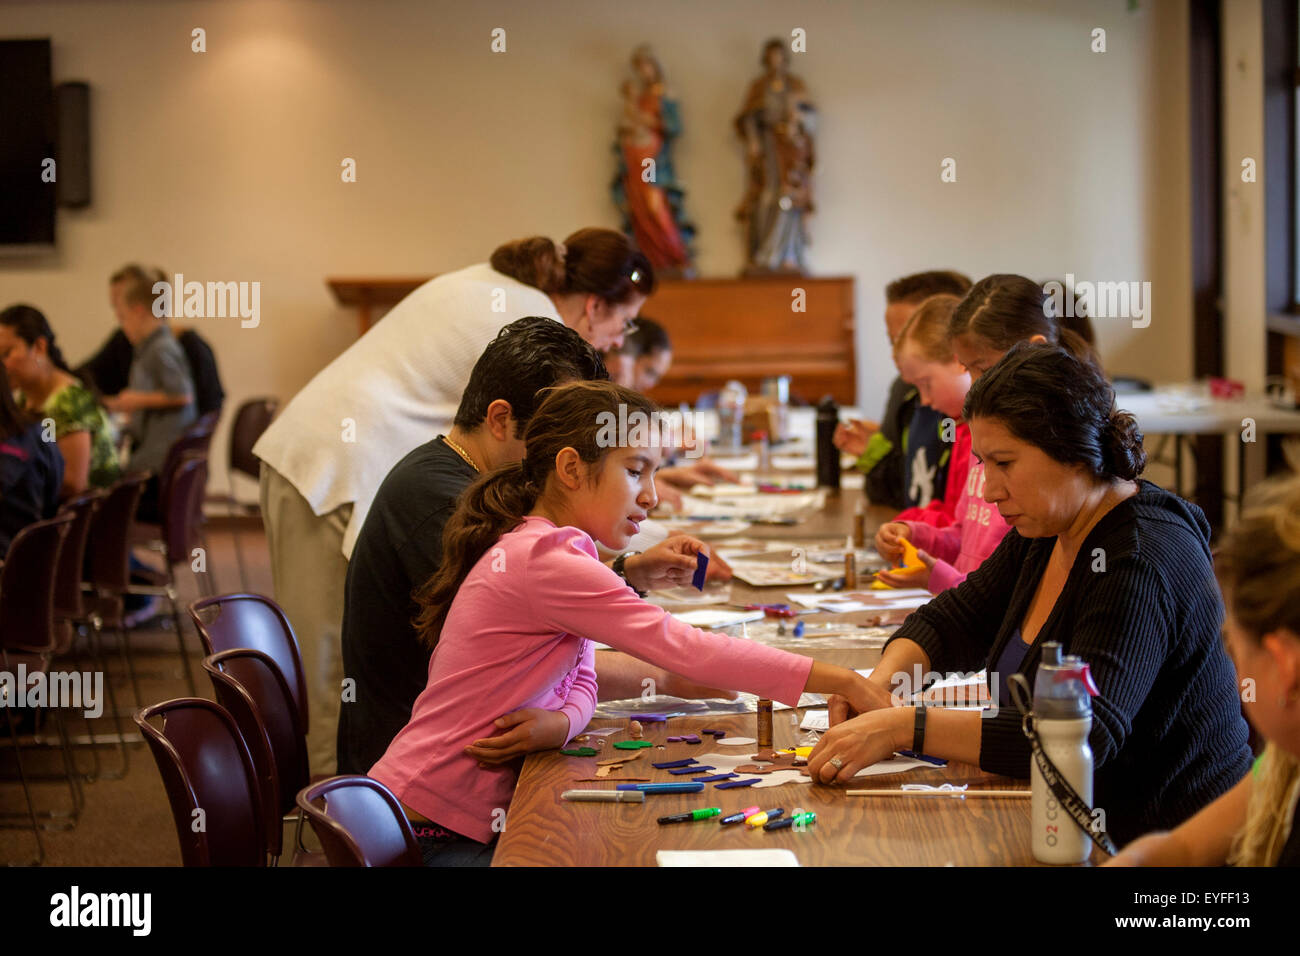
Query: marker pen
[(758, 819), (738, 817), (663, 787), (603, 796), (692, 815), (787, 822)]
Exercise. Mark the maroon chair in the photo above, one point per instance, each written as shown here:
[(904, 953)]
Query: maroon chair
[(107, 570), (109, 551), (359, 823), (196, 440), (71, 610), (251, 419), (28, 637), (205, 766), (250, 686), (230, 621)]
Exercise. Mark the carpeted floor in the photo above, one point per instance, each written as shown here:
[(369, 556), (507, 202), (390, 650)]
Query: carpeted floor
[(125, 822)]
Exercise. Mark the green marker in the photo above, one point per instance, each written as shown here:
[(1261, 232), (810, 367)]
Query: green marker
[(692, 816)]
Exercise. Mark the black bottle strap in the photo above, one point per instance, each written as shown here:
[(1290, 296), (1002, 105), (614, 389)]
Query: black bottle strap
[(1065, 794)]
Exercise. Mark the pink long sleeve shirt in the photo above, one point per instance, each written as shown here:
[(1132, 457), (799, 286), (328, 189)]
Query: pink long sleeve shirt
[(519, 634), (961, 547)]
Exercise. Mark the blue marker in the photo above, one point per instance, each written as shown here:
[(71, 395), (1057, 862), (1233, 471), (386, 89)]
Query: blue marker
[(663, 787), (701, 569), (937, 761)]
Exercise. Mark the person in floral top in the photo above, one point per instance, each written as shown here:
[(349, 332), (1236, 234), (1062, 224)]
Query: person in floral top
[(48, 391)]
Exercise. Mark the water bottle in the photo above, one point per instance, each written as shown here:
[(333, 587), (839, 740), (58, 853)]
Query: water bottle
[(777, 389), (731, 415), (828, 456), (1063, 691)]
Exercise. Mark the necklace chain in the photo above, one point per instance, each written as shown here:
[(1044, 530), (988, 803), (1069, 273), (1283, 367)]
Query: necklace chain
[(460, 451)]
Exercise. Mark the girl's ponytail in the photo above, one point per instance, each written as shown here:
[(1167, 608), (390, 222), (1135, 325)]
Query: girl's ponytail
[(488, 508)]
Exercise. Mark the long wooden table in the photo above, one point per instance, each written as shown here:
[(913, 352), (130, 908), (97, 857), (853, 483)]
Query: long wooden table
[(544, 830)]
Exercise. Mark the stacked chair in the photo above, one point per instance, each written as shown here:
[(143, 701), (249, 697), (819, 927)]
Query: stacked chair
[(250, 748)]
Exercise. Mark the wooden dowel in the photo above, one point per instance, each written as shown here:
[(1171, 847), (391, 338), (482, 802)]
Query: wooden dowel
[(940, 792)]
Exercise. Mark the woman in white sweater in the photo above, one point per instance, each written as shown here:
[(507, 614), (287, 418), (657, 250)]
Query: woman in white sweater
[(396, 387)]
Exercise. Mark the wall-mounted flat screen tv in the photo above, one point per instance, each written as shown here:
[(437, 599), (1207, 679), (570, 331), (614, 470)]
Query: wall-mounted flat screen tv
[(27, 140)]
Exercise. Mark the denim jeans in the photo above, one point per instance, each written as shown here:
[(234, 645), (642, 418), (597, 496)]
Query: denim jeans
[(443, 848)]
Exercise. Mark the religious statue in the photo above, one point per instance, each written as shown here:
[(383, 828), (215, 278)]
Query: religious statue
[(776, 125), (645, 189)]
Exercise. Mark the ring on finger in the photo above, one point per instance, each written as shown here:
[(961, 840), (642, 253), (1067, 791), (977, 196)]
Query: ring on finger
[(837, 763)]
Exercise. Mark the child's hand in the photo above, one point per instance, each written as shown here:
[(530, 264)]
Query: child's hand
[(888, 540), (911, 577), (527, 730), (852, 437), (671, 563)]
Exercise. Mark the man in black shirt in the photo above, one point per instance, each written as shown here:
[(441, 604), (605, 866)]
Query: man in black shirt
[(385, 664)]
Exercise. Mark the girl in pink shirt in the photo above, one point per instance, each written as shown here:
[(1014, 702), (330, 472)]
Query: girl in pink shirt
[(522, 595)]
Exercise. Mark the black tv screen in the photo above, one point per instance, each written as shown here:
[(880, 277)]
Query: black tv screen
[(27, 139)]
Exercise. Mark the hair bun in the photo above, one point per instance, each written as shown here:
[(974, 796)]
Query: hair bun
[(536, 261), (1124, 454)]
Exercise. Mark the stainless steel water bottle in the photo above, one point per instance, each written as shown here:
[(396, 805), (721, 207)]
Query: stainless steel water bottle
[(1063, 692)]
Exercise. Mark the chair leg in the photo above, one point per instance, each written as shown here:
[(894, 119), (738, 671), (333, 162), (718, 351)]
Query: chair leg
[(239, 555), (22, 776), (180, 640), (97, 652)]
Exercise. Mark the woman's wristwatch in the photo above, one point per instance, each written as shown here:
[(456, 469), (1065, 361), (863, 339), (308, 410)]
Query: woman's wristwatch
[(621, 571), (918, 732)]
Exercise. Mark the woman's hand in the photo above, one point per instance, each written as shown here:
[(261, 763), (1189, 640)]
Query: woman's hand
[(911, 578), (527, 730), (888, 542), (701, 472), (668, 496), (852, 436), (857, 743)]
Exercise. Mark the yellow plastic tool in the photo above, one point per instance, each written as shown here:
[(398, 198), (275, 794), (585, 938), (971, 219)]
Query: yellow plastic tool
[(911, 564)]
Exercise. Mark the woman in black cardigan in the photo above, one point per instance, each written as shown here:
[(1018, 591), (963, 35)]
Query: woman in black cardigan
[(1115, 569)]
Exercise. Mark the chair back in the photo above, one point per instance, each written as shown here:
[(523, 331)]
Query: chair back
[(208, 774), (251, 419), (229, 621), (181, 504), (359, 823), (27, 586), (68, 603), (196, 438), (108, 550), (251, 687)]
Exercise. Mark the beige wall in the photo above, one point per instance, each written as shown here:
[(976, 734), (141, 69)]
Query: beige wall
[(225, 165)]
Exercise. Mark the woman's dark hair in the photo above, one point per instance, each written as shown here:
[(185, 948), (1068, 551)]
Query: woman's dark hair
[(30, 324), (591, 261), (647, 338), (13, 421), (1050, 398), (528, 355), (1004, 309), (574, 416)]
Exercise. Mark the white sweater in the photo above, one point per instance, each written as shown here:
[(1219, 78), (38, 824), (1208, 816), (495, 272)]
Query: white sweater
[(395, 388)]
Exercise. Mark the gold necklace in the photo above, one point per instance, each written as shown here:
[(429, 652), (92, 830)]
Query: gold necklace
[(460, 451)]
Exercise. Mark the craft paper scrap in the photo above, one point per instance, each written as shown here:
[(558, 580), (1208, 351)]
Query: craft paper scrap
[(695, 858)]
